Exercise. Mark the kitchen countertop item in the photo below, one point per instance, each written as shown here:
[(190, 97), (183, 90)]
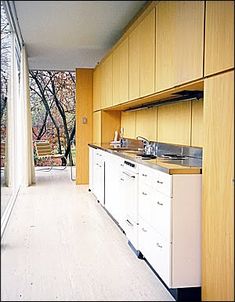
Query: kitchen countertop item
[(183, 165)]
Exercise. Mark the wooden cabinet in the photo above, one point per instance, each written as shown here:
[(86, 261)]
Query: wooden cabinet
[(107, 82), (218, 189), (134, 64), (97, 89), (104, 125), (179, 42), (219, 36), (147, 54), (120, 73), (169, 225)]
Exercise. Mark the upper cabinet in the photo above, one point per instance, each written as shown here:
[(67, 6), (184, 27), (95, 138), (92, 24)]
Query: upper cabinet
[(96, 88), (219, 39), (107, 82), (147, 54), (120, 73), (179, 42), (134, 64)]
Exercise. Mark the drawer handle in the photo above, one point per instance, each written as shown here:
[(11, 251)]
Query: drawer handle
[(121, 179), (145, 175), (160, 204), (144, 193), (158, 245), (129, 223), (122, 165), (159, 182), (129, 175), (97, 164), (144, 230)]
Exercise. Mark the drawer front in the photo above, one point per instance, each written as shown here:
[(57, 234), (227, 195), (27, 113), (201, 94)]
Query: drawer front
[(160, 214), (162, 182), (131, 230), (156, 250), (161, 259), (145, 202)]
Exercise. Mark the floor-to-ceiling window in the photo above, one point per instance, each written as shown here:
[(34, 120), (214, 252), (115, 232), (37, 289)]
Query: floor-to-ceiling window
[(6, 64)]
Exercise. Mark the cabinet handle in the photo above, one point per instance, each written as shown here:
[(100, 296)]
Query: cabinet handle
[(144, 193), (144, 230), (129, 223), (158, 245), (144, 174), (160, 204), (121, 179), (159, 182), (97, 164), (122, 165), (127, 174)]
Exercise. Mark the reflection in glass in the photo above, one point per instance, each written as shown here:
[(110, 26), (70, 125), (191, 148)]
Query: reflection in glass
[(6, 43)]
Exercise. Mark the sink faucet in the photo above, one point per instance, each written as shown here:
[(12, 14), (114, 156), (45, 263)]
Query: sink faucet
[(146, 141)]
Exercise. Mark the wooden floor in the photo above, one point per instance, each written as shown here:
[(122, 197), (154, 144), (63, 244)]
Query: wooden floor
[(61, 245)]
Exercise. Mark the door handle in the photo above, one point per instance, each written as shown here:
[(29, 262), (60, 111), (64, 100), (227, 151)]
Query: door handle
[(158, 245), (159, 182), (160, 204)]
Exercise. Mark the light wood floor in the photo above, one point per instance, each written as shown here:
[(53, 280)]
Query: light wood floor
[(60, 245)]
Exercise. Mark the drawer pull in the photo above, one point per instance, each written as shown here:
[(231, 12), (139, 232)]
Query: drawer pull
[(158, 245), (145, 175), (97, 164), (159, 182), (129, 223), (144, 230), (160, 204), (121, 179), (122, 165), (144, 193)]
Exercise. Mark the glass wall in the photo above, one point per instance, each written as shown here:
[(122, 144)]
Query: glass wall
[(6, 69)]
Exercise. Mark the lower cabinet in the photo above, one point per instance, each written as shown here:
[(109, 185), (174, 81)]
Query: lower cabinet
[(159, 213), (170, 226), (98, 175)]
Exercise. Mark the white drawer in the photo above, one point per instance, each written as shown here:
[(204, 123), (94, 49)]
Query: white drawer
[(160, 214), (162, 182), (155, 249)]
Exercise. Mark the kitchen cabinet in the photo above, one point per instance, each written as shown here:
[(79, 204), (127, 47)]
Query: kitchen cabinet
[(98, 175), (97, 89), (219, 36), (107, 82), (218, 189), (91, 167), (179, 42), (169, 225), (147, 54), (120, 73), (134, 64), (112, 185), (129, 201)]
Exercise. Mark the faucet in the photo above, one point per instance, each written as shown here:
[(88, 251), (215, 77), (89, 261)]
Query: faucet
[(148, 148), (146, 141)]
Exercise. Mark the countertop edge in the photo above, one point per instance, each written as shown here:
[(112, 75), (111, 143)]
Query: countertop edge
[(171, 171)]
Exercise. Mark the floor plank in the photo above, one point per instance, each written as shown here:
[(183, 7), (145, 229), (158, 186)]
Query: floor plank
[(60, 245)]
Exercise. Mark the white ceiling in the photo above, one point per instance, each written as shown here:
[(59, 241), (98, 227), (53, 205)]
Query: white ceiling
[(64, 35)]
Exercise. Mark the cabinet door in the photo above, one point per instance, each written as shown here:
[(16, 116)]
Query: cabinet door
[(112, 188), (120, 73), (218, 189), (219, 39), (91, 167), (96, 89), (147, 54), (179, 42), (134, 64), (107, 82)]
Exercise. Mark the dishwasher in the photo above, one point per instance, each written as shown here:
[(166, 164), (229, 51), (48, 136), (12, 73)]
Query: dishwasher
[(129, 201)]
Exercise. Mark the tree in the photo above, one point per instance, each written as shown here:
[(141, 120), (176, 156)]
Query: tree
[(53, 108)]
